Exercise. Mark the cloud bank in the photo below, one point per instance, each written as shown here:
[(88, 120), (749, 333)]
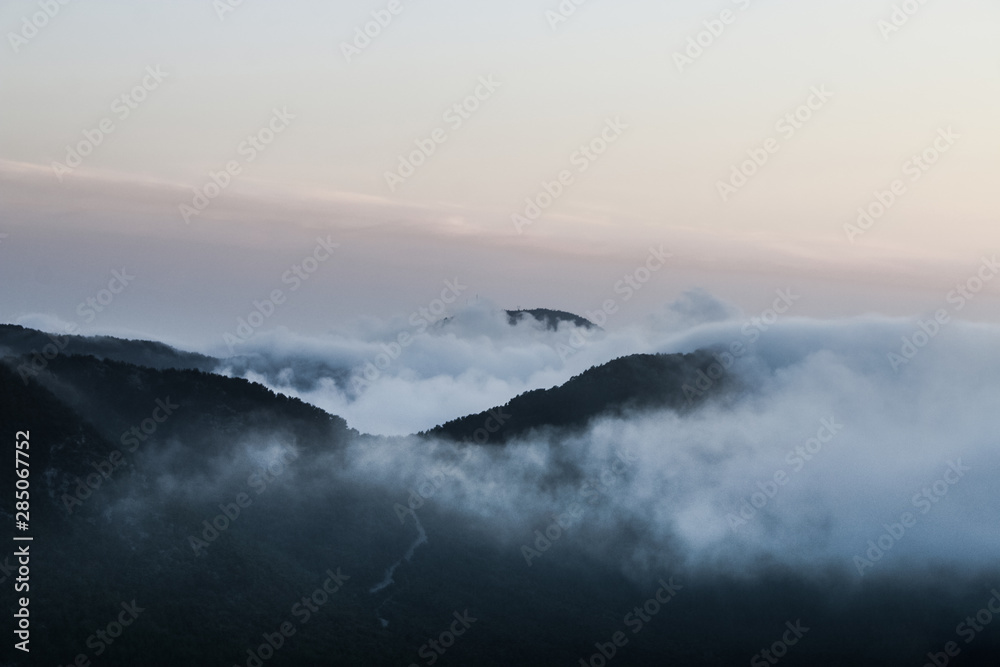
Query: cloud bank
[(858, 447)]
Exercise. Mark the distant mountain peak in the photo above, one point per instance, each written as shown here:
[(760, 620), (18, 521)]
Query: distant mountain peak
[(550, 318)]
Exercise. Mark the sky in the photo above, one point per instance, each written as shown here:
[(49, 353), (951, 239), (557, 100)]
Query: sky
[(299, 116)]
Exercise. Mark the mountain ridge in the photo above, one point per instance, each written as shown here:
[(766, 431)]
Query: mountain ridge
[(638, 381)]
